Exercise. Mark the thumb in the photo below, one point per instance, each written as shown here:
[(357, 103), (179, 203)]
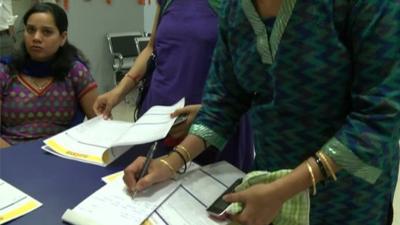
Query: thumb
[(178, 112)]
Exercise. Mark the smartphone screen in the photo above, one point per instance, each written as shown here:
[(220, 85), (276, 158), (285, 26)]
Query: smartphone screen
[(218, 207)]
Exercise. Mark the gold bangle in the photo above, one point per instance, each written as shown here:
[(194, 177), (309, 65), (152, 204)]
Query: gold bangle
[(186, 152), (327, 164), (311, 172), (171, 169)]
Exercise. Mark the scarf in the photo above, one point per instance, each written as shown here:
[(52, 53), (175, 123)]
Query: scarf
[(37, 69)]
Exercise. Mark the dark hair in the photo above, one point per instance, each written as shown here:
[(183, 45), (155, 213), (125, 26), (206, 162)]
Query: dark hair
[(64, 58)]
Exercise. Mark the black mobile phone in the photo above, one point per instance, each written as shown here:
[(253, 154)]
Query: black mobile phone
[(218, 208), (181, 118)]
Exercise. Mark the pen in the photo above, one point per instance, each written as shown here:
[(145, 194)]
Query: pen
[(143, 172)]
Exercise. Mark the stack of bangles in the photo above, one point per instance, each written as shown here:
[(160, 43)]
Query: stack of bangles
[(324, 166), (183, 154)]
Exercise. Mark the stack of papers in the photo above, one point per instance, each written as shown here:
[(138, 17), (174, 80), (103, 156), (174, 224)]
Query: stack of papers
[(14, 203), (98, 141)]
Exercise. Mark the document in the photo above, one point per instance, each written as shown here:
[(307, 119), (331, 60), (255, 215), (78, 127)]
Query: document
[(14, 203), (112, 204), (197, 190), (98, 141)]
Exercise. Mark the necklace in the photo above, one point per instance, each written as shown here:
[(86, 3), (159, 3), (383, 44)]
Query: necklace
[(39, 85)]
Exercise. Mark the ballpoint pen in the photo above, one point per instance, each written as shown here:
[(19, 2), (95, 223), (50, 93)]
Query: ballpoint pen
[(143, 172)]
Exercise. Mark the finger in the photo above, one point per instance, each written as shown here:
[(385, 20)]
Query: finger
[(178, 128), (147, 181), (184, 110), (234, 197), (131, 171), (235, 218), (176, 113), (97, 108), (107, 111)]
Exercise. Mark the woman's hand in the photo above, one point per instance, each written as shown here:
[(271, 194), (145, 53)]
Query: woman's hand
[(157, 172), (181, 130), (261, 202), (105, 103)]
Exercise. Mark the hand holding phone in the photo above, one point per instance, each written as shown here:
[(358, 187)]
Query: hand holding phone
[(218, 208)]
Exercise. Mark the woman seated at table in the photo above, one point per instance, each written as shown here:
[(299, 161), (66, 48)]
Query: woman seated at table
[(45, 85)]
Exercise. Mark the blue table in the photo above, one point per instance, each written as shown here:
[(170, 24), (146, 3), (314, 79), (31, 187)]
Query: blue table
[(56, 182)]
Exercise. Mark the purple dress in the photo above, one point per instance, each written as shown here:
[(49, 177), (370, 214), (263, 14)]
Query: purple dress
[(186, 37)]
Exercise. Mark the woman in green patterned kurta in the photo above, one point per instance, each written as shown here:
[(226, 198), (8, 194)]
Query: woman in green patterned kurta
[(324, 75)]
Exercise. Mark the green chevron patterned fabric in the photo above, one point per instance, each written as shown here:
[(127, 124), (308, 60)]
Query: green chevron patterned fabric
[(331, 82)]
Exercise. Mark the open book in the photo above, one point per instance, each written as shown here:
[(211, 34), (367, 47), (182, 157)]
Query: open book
[(100, 141), (14, 203), (183, 201)]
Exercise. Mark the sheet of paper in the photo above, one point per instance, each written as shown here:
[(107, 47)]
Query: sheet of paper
[(224, 172), (98, 131), (112, 204), (199, 189), (183, 208), (14, 203), (155, 219), (153, 125)]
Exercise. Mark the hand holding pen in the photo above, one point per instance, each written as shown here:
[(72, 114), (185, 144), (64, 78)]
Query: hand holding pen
[(137, 177), (146, 165)]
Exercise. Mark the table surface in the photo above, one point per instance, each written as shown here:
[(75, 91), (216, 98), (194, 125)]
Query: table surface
[(56, 182)]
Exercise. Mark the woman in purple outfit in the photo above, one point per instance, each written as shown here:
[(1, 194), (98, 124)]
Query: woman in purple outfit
[(183, 42)]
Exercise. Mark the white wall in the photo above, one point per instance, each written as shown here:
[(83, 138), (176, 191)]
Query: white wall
[(91, 20), (149, 12)]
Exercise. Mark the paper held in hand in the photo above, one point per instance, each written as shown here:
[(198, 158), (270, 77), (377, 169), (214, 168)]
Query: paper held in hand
[(98, 141)]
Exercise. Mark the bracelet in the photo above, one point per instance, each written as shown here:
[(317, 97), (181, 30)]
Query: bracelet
[(171, 169), (328, 165), (185, 150), (320, 166), (314, 183), (183, 159), (134, 79)]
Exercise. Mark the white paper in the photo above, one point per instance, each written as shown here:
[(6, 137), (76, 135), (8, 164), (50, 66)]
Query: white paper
[(14, 203), (118, 175), (112, 204), (198, 190), (96, 131), (9, 195), (98, 141), (151, 126), (184, 209)]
